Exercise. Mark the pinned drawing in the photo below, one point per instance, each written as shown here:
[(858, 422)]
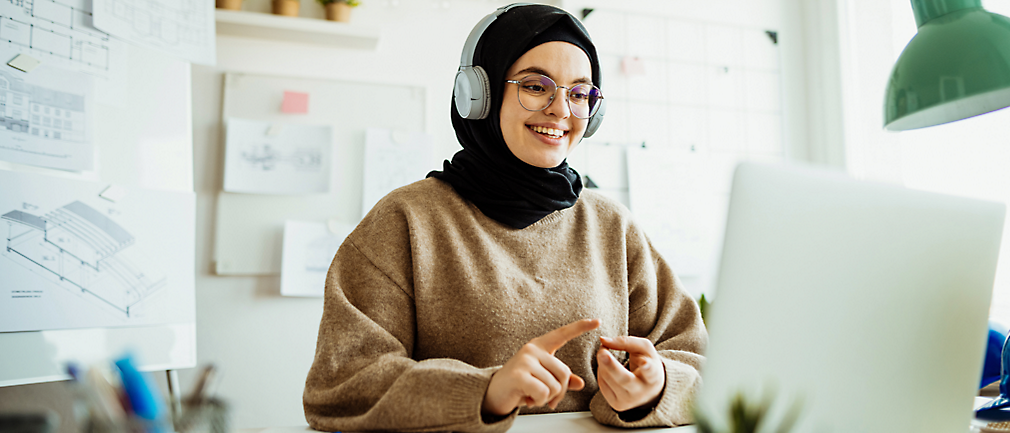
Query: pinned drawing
[(393, 159), (78, 248), (184, 28), (45, 117), (309, 248), (72, 259), (274, 158)]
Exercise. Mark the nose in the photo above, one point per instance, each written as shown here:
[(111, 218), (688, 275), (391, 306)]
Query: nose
[(559, 105)]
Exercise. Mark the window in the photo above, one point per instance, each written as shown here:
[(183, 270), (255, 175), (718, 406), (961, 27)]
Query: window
[(967, 158)]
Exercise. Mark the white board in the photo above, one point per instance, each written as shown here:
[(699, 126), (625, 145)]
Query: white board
[(143, 141), (249, 227)]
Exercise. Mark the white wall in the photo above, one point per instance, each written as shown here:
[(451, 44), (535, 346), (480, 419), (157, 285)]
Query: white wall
[(264, 343)]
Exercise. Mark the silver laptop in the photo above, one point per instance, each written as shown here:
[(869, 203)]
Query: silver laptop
[(862, 305)]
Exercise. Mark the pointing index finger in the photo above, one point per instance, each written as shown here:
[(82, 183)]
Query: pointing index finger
[(554, 340)]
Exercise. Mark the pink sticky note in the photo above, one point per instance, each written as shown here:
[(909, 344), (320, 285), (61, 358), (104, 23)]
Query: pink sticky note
[(295, 103), (632, 66)]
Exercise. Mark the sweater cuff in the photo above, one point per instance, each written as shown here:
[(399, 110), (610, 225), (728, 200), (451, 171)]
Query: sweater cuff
[(466, 403), (674, 407)]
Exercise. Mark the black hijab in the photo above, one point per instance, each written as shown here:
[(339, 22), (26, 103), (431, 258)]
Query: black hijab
[(486, 172)]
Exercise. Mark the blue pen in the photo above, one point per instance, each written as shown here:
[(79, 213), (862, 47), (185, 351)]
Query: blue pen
[(139, 389)]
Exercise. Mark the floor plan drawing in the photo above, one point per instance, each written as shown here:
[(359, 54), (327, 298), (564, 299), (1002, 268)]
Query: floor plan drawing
[(80, 249), (184, 28), (45, 117), (71, 259), (60, 31)]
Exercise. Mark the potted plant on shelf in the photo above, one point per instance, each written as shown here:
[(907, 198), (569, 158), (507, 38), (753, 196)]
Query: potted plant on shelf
[(288, 8), (339, 10)]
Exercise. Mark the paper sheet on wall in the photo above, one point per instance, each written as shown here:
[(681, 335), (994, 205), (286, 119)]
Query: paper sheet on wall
[(680, 199), (46, 116), (393, 159), (72, 259), (309, 248), (61, 33), (277, 158), (184, 28)]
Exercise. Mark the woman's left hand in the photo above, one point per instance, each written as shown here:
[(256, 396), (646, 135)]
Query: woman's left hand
[(627, 389)]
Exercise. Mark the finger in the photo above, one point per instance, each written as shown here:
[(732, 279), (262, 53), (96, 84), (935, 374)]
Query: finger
[(552, 341), (615, 373), (550, 383), (576, 383), (632, 345), (561, 373), (650, 371), (607, 391), (535, 391)]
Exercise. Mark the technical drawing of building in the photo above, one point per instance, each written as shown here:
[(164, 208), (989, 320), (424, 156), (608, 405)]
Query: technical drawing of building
[(81, 249), (40, 111)]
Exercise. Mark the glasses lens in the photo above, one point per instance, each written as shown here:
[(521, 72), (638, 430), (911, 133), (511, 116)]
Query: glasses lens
[(584, 100), (536, 92)]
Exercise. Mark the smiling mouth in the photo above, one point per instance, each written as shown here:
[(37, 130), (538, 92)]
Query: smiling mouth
[(550, 132)]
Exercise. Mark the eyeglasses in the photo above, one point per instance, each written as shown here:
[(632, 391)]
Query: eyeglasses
[(536, 92)]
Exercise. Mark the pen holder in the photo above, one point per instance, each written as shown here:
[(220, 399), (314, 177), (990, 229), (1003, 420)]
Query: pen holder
[(208, 416)]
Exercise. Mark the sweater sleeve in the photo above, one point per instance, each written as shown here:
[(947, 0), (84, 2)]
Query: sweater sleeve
[(664, 313), (363, 377)]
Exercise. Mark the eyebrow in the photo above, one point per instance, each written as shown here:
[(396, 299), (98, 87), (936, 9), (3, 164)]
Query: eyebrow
[(536, 70)]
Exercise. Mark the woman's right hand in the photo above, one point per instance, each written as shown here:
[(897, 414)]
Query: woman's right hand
[(533, 376)]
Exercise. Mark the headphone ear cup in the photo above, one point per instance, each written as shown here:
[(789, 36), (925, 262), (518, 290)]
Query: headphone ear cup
[(596, 120), (471, 93), (483, 101)]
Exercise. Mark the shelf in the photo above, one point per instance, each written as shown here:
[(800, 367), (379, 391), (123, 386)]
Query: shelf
[(294, 29)]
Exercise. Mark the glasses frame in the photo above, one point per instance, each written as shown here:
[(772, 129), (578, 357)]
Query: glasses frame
[(568, 92)]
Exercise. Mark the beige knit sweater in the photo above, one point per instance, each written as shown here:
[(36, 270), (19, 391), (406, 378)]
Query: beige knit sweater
[(428, 297)]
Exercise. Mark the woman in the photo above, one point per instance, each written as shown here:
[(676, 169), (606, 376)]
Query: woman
[(495, 286)]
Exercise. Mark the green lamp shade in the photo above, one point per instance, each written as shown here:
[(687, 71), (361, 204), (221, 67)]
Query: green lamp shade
[(957, 66)]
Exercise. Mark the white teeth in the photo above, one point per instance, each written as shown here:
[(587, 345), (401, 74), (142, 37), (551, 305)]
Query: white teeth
[(555, 133)]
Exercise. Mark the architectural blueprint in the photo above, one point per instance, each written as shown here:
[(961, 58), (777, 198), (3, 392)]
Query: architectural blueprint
[(277, 158), (46, 117), (184, 28), (61, 33), (70, 259)]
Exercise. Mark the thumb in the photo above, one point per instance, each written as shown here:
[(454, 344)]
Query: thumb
[(575, 383)]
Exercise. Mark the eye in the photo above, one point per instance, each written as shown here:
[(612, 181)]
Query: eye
[(579, 94), (534, 87)]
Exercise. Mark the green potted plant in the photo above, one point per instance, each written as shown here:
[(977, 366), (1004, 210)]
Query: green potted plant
[(339, 10)]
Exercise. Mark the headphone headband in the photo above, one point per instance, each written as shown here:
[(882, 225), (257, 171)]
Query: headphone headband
[(466, 60)]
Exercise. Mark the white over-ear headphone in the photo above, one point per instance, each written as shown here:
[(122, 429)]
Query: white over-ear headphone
[(472, 89)]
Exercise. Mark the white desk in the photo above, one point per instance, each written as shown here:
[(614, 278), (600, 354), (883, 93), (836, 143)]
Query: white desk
[(551, 422)]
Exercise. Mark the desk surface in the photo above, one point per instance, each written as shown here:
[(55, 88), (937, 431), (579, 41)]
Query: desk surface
[(557, 422)]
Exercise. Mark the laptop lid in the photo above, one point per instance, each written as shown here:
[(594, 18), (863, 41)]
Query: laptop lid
[(865, 303)]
